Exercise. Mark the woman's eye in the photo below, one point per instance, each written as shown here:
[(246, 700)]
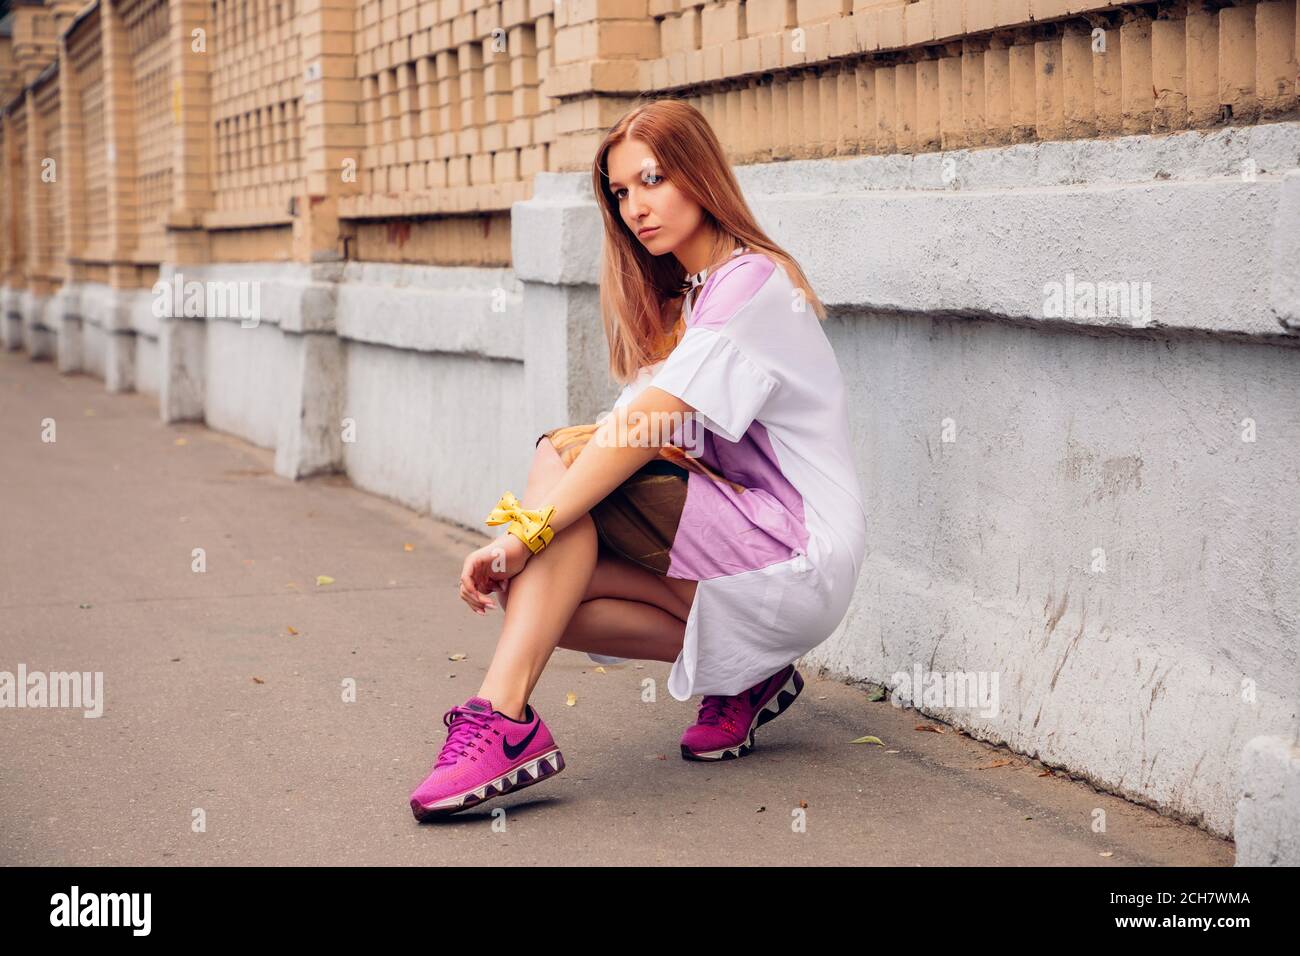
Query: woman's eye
[(650, 179)]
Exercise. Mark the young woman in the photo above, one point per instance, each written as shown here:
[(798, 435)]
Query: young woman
[(713, 519)]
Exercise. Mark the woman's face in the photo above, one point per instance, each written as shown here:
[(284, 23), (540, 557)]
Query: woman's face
[(648, 201)]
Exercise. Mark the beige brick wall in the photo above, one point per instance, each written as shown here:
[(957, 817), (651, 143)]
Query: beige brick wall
[(274, 129), (146, 23), (48, 185), (256, 111)]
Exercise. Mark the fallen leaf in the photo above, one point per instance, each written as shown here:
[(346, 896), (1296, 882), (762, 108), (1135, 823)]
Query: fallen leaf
[(930, 727), (570, 699), (455, 657), (292, 584), (877, 694), (408, 547), (893, 751), (323, 579), (868, 740), (1107, 853), (995, 764), (1046, 773), (760, 809), (258, 680), (84, 605), (182, 441), (291, 629), (803, 803), (600, 670), (248, 562)]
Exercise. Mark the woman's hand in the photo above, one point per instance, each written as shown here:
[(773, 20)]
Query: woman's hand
[(489, 568)]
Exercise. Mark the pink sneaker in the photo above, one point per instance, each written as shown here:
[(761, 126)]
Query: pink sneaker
[(725, 727), (486, 754)]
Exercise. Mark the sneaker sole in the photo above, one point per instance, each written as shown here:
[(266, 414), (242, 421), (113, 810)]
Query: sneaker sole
[(776, 705), (525, 775)]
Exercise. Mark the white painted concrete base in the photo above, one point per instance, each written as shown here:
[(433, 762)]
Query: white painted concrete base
[(1268, 814), (38, 335), (11, 319), (1096, 537), (65, 316)]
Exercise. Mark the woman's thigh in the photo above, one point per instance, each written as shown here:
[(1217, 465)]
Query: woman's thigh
[(617, 577)]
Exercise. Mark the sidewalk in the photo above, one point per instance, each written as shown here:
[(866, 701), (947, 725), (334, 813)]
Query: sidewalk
[(211, 702)]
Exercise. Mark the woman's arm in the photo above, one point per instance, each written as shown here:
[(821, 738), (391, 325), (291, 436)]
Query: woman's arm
[(604, 463)]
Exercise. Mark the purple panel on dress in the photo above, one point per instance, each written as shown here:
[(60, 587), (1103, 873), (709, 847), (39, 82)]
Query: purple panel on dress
[(717, 304), (723, 531)]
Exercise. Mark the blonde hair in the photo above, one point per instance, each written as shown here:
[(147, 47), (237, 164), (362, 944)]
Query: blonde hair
[(640, 293)]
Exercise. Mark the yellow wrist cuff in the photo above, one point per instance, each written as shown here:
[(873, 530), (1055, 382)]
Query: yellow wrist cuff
[(532, 527)]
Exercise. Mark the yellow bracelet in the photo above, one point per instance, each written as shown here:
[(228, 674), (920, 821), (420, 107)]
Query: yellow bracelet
[(533, 528)]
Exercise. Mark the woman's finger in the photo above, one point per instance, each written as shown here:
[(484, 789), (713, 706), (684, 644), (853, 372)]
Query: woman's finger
[(475, 584), (486, 580), (465, 596), (474, 604), (469, 593)]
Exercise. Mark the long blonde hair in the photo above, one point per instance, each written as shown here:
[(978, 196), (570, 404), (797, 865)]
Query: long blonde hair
[(640, 293)]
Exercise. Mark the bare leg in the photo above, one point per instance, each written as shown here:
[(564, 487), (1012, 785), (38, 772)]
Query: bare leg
[(624, 628), (543, 597), (546, 594)]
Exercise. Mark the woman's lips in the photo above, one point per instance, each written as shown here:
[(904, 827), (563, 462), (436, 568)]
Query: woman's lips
[(648, 232)]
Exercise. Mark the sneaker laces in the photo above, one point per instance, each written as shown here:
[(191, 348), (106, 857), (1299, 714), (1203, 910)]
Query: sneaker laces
[(465, 727), (713, 709)]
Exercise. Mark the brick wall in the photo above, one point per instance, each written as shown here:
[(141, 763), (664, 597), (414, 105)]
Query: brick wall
[(403, 130)]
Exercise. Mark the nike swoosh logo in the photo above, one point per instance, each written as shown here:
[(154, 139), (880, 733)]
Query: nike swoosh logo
[(514, 750)]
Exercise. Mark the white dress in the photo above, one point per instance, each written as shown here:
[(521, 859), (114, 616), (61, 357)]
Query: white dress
[(777, 547)]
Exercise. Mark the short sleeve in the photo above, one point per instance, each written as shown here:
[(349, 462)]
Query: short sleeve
[(638, 384), (710, 373)]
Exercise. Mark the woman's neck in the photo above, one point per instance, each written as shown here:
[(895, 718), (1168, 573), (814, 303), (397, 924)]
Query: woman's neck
[(703, 251)]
